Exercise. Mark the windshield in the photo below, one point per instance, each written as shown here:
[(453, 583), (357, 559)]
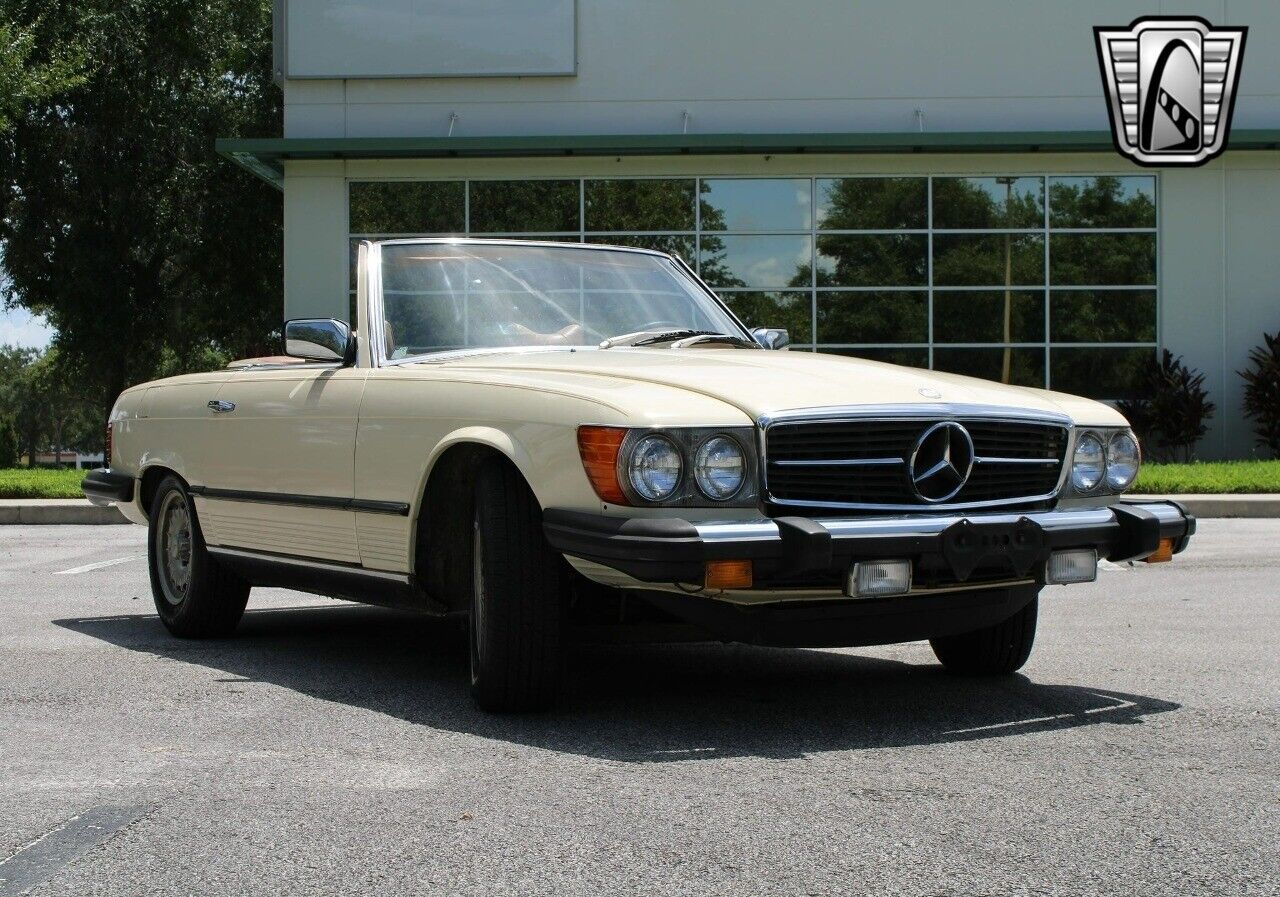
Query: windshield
[(442, 296)]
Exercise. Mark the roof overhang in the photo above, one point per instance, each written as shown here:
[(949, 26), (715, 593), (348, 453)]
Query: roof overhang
[(265, 156)]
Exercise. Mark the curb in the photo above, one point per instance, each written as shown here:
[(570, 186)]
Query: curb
[(1209, 506), (50, 511)]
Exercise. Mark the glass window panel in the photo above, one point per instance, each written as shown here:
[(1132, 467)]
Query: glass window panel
[(1103, 316), (676, 244), (872, 203), (640, 204), (912, 358), (984, 260), (1026, 366), (977, 316), (873, 260), (1102, 259), (1103, 201), (873, 317), (408, 207), (353, 249), (1098, 373), (756, 204), (790, 310), (445, 296), (988, 202), (759, 262), (523, 206)]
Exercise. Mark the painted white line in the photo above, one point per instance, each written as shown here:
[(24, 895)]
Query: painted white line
[(99, 565)]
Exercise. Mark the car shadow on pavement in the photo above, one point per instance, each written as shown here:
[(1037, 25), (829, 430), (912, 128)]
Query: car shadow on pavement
[(636, 703)]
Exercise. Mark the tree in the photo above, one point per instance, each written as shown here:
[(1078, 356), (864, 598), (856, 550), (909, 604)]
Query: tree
[(23, 80), (69, 417), (8, 444), (121, 224), (19, 401)]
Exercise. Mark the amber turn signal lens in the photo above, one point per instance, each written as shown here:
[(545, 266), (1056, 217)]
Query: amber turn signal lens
[(599, 447), (1161, 554), (728, 575)]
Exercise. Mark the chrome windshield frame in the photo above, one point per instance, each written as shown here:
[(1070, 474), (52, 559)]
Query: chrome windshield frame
[(375, 311)]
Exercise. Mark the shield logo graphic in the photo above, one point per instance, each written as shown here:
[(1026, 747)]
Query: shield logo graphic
[(1171, 87)]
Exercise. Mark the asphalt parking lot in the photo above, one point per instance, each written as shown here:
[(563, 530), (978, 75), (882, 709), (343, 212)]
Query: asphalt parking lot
[(333, 749)]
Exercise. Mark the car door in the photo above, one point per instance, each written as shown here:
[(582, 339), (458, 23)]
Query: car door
[(280, 470)]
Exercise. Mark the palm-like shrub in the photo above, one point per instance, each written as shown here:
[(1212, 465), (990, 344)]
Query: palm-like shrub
[(1172, 410), (1262, 392)]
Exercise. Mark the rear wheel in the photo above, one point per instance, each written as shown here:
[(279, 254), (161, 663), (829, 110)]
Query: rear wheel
[(194, 596), (517, 598), (992, 651)]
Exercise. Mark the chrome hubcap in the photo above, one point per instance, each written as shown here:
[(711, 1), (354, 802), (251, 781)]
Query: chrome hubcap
[(174, 546)]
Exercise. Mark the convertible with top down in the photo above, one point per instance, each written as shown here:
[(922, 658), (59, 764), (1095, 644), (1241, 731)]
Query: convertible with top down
[(558, 439)]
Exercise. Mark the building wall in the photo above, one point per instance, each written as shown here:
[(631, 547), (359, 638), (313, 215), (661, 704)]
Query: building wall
[(804, 66), (827, 66), (1219, 273)]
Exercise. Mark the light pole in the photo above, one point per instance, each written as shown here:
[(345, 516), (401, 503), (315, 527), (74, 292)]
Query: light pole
[(1007, 364)]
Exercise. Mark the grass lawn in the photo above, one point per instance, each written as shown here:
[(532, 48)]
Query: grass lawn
[(1210, 477), (19, 482)]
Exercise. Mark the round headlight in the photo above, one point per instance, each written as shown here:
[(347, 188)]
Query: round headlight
[(719, 468), (1122, 461), (655, 468), (1088, 466)]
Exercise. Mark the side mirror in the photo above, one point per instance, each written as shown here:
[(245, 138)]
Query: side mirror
[(772, 337), (319, 339)]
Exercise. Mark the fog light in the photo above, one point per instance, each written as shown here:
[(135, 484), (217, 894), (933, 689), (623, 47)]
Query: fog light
[(728, 575), (876, 579), (1076, 565)]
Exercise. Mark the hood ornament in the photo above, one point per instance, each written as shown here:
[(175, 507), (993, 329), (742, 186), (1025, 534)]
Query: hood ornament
[(929, 392)]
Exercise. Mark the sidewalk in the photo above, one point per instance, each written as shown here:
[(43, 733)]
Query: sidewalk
[(32, 511)]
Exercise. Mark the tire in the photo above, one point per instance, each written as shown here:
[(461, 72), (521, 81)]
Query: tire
[(517, 598), (198, 598), (993, 651)]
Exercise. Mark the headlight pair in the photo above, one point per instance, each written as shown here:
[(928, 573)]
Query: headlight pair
[(656, 468), (1112, 457), (682, 466)]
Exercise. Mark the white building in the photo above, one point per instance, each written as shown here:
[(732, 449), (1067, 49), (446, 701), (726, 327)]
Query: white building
[(875, 176)]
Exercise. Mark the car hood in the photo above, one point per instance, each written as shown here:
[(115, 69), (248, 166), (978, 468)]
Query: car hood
[(765, 382)]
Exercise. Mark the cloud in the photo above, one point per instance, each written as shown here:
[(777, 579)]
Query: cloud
[(18, 327)]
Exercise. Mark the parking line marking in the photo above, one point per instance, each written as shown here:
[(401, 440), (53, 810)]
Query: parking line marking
[(98, 566), (46, 856)]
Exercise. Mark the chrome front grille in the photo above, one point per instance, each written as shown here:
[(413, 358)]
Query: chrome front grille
[(862, 463)]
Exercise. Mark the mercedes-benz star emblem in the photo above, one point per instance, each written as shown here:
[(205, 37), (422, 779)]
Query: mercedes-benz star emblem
[(941, 461)]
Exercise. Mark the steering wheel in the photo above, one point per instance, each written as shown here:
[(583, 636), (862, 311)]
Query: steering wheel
[(660, 325)]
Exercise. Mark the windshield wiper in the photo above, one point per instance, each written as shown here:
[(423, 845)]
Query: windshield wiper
[(684, 337)]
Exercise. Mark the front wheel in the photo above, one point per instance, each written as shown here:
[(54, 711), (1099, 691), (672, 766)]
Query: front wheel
[(992, 651), (195, 596), (516, 598)]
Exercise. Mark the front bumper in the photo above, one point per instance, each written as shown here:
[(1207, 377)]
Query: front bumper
[(947, 549)]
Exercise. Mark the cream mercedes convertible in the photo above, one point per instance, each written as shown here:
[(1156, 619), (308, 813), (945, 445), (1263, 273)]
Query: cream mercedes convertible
[(559, 439)]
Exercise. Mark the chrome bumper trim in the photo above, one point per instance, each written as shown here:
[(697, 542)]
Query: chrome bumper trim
[(925, 525)]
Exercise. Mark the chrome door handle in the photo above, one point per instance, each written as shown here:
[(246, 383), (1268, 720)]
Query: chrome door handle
[(217, 406)]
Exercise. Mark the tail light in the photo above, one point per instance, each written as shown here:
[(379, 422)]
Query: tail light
[(106, 447)]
